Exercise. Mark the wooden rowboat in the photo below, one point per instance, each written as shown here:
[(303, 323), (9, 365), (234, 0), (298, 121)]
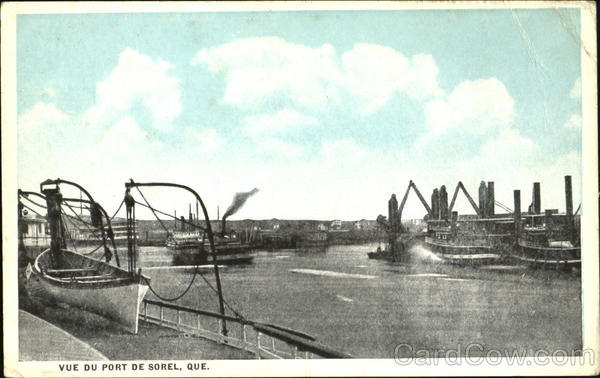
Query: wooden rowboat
[(89, 284), (62, 276)]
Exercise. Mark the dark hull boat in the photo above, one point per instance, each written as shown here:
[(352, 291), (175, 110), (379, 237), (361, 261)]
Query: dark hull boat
[(60, 275), (192, 249), (550, 240)]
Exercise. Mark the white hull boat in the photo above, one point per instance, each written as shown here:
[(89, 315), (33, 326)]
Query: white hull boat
[(89, 284)]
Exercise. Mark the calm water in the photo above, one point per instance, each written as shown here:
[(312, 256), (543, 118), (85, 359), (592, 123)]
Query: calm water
[(367, 307)]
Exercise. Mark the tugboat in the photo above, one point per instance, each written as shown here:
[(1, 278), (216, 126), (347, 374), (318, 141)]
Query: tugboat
[(398, 239), (65, 276)]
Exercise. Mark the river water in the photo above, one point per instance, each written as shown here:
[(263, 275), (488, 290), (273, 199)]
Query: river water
[(372, 308)]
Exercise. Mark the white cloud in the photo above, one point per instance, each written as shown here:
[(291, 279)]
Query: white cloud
[(279, 148), (283, 120), (255, 68), (208, 140), (474, 106), (575, 91), (41, 115), (574, 122), (374, 73), (259, 68), (137, 80)]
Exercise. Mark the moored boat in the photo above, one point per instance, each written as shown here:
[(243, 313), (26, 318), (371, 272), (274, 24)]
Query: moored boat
[(550, 240), (60, 275), (192, 248)]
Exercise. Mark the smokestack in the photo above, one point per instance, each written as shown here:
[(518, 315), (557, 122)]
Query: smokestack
[(517, 212), (453, 219), (548, 218), (239, 199), (482, 200), (435, 204), (491, 201), (537, 205), (568, 195), (182, 220), (443, 203), (392, 211)]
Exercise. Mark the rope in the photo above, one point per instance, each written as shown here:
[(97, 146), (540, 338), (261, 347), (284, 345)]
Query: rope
[(27, 207), (115, 214), (152, 209), (176, 297), (196, 270), (87, 225), (224, 301), (169, 215)]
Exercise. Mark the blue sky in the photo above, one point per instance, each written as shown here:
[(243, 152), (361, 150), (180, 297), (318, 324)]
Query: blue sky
[(327, 112)]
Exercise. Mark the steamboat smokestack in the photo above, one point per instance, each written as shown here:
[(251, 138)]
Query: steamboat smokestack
[(482, 200), (443, 203), (239, 199), (568, 195), (537, 205), (491, 201), (517, 212), (435, 204), (392, 212)]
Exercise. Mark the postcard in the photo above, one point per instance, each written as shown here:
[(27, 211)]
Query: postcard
[(300, 188)]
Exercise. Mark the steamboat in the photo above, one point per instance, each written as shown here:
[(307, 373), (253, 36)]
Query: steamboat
[(550, 240)]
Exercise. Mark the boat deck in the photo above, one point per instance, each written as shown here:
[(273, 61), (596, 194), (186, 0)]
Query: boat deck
[(37, 338)]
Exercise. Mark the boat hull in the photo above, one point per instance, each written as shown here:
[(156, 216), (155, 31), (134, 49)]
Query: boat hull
[(226, 255), (464, 255), (548, 257), (117, 297)]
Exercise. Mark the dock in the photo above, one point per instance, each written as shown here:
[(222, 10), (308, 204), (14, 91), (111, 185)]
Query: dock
[(36, 337)]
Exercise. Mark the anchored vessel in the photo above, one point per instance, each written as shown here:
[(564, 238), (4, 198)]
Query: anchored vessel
[(550, 240), (483, 238), (91, 284), (192, 247)]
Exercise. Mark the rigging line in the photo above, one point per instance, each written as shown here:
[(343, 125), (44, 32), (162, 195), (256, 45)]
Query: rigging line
[(27, 207), (93, 233), (115, 214), (87, 225), (169, 215), (153, 212), (67, 231), (176, 297), (32, 201), (215, 290)]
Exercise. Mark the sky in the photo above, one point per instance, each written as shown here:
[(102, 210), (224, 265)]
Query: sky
[(326, 112)]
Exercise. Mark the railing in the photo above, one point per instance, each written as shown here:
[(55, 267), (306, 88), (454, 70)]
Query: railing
[(263, 340)]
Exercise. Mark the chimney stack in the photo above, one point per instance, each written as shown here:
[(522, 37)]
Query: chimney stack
[(537, 205), (482, 200), (491, 202), (568, 195), (517, 212)]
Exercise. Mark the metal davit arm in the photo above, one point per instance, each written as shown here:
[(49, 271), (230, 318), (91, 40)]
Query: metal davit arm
[(209, 231), (91, 201)]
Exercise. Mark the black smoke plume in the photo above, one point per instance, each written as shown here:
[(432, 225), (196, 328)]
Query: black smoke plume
[(238, 201)]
